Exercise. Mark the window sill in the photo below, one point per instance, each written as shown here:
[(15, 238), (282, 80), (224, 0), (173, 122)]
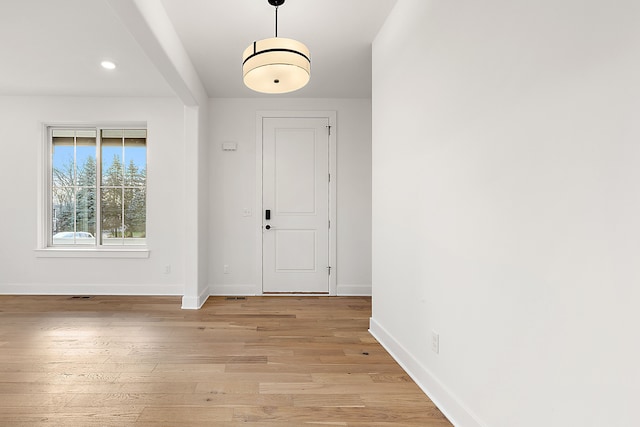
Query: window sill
[(129, 252)]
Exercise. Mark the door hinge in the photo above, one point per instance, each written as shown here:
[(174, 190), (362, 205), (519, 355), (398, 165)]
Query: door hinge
[(329, 177), (329, 128), (329, 223), (329, 270)]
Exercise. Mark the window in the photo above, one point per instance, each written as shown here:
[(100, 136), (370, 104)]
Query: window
[(97, 187)]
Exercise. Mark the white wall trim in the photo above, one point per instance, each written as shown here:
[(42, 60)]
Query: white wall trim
[(44, 249), (174, 289), (92, 252), (354, 290), (444, 399), (195, 303), (226, 290), (332, 118), (42, 190)]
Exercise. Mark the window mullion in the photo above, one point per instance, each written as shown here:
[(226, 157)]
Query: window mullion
[(122, 183), (98, 187), (49, 189), (75, 186)]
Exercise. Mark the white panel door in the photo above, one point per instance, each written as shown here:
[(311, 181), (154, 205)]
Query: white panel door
[(295, 240)]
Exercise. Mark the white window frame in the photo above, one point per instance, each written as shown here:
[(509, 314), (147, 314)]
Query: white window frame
[(44, 247)]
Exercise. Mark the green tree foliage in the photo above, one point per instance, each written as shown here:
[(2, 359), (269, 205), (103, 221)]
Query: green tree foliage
[(124, 192), (63, 194), (112, 198), (86, 197), (74, 198), (135, 196)]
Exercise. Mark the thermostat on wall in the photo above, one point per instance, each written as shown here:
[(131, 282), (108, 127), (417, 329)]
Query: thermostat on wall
[(229, 146)]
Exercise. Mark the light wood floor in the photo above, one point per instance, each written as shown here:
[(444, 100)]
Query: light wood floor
[(263, 361)]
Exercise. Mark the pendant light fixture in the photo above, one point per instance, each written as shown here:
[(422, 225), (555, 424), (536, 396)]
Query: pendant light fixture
[(276, 65)]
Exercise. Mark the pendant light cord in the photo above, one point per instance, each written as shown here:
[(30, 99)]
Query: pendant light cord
[(276, 21)]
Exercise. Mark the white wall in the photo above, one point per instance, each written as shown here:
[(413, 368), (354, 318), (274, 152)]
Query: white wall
[(506, 208), (21, 120), (233, 188)]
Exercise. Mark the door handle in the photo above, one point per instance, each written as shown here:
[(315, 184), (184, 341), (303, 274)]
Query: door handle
[(268, 227), (267, 214)]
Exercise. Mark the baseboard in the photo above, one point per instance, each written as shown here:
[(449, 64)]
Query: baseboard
[(251, 289), (226, 290), (354, 290), (90, 289), (444, 399), (193, 302)]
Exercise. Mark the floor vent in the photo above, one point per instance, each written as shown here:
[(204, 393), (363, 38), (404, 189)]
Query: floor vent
[(80, 297), (235, 298)]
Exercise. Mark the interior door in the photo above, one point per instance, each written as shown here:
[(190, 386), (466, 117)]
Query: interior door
[(295, 201)]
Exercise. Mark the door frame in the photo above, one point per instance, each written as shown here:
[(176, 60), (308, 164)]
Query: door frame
[(331, 116)]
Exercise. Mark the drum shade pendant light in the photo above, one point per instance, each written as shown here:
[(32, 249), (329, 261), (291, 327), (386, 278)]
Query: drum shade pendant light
[(276, 65)]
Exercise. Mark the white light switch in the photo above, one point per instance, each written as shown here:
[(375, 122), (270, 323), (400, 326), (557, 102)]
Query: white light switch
[(229, 146)]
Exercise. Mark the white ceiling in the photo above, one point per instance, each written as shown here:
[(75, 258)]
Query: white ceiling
[(54, 47)]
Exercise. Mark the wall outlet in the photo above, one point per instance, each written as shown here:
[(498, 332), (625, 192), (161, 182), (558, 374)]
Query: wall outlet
[(246, 212), (435, 342), (226, 269), (167, 269)]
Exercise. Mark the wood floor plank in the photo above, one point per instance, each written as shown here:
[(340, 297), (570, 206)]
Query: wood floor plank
[(66, 416), (318, 415), (328, 401), (22, 366), (258, 361), (175, 415), (349, 388), (115, 400)]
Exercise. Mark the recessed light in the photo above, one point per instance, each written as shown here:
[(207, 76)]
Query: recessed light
[(108, 65)]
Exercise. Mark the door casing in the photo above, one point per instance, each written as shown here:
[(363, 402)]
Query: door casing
[(331, 116)]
